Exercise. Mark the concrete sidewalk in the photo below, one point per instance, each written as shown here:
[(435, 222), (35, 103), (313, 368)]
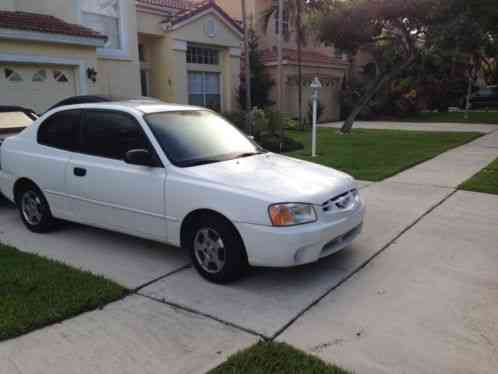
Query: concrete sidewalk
[(454, 167), (418, 126), (427, 305), (135, 335)]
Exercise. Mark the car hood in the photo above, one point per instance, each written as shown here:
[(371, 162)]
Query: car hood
[(277, 178)]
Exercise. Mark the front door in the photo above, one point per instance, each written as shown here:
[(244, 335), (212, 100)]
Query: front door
[(106, 191)]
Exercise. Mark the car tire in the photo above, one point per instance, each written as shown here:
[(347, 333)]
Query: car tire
[(34, 209), (217, 251)]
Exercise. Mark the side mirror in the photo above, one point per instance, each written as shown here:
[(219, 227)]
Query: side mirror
[(141, 157)]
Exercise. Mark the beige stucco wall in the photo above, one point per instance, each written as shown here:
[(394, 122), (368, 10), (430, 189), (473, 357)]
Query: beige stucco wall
[(195, 32), (65, 9), (229, 66), (121, 77), (7, 5), (329, 95), (166, 54), (149, 24), (115, 76)]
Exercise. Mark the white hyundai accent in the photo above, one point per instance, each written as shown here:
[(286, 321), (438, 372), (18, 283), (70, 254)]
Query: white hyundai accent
[(183, 176)]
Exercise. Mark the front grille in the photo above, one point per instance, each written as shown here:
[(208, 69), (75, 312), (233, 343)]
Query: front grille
[(347, 237), (342, 201)]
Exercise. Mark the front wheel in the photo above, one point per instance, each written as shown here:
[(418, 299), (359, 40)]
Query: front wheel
[(217, 251), (34, 210)]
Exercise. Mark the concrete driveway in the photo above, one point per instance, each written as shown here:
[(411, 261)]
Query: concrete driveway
[(179, 321)]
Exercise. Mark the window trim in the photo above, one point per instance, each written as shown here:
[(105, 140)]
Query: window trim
[(285, 19), (111, 53), (81, 136), (191, 46), (77, 138)]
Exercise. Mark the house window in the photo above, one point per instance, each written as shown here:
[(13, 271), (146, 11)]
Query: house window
[(40, 76), (285, 21), (59, 76), (105, 16), (202, 55), (12, 76), (204, 89)]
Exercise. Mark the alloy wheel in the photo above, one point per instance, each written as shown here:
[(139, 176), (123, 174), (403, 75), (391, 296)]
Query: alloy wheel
[(209, 250), (31, 206)]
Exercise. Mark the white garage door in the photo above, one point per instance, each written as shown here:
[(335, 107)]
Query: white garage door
[(35, 86)]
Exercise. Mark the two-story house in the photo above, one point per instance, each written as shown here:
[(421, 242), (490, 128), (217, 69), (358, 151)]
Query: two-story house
[(175, 50), (330, 65)]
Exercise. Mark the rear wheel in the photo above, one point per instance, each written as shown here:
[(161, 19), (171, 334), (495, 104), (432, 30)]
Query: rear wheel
[(34, 209), (217, 251)]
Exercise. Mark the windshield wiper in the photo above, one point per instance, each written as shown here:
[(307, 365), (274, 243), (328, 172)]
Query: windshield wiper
[(202, 161), (248, 154), (212, 160)]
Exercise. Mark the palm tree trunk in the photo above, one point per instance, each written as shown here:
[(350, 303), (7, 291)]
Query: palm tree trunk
[(249, 126), (280, 58), (299, 63)]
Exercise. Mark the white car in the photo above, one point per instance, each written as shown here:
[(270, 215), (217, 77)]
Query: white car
[(183, 176)]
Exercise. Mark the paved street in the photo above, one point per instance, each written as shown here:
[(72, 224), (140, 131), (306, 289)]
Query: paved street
[(416, 293)]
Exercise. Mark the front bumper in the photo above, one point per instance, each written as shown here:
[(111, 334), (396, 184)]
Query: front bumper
[(298, 245)]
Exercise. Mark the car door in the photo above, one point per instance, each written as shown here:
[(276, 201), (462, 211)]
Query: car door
[(108, 192), (57, 138)]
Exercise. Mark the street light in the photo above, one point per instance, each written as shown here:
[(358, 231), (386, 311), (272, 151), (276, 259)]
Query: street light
[(315, 89)]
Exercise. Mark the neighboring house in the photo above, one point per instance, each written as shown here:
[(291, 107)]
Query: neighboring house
[(330, 65), (174, 50)]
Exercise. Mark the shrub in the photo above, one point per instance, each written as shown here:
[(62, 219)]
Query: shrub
[(260, 122), (276, 121), (271, 142), (236, 118)]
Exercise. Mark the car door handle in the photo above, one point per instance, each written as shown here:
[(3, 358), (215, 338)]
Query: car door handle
[(79, 172)]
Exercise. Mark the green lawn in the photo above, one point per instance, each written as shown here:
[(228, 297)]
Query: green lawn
[(35, 292), (484, 181), (275, 358), (374, 155), (475, 117)]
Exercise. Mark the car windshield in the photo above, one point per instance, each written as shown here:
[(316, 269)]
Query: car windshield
[(197, 137)]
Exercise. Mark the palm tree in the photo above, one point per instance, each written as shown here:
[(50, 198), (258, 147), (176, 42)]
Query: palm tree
[(294, 10), (247, 68)]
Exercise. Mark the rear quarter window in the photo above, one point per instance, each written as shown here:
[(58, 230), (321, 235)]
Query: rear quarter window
[(61, 130)]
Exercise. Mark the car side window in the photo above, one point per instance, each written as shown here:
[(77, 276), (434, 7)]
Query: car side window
[(60, 130), (111, 134)]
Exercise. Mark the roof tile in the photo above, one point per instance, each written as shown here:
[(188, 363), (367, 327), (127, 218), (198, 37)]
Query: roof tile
[(44, 23)]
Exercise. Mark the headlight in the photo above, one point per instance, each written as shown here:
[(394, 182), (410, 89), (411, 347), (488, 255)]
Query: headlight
[(291, 214)]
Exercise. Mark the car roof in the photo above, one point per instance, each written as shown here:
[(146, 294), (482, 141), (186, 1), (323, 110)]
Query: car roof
[(145, 106)]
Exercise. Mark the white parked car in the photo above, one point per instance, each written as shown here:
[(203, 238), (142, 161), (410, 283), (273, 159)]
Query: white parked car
[(183, 176)]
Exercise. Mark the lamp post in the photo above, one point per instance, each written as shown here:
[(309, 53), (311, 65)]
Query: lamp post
[(315, 88)]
